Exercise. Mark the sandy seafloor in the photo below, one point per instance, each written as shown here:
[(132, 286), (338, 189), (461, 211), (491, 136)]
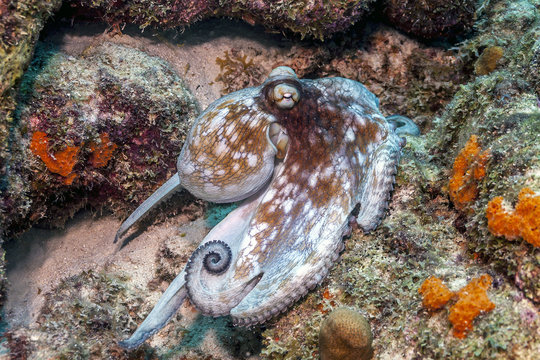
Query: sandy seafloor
[(41, 258)]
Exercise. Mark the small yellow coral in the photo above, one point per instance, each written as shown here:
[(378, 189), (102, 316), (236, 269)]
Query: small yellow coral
[(473, 301), (434, 293), (469, 167), (61, 162), (345, 335), (523, 222), (487, 62)]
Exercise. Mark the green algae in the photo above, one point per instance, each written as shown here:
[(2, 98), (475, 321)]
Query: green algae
[(85, 316)]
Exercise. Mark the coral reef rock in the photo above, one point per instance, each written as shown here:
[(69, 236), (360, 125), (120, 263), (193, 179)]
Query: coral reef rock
[(318, 19), (408, 77), (425, 235), (102, 128), (501, 109), (345, 335), (432, 18), (20, 24)]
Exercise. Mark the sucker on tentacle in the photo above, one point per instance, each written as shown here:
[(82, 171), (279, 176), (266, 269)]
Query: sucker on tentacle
[(303, 155)]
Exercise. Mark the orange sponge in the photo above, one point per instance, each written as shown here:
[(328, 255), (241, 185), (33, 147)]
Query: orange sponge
[(434, 293), (472, 302), (523, 222), (469, 167), (102, 153), (61, 162)]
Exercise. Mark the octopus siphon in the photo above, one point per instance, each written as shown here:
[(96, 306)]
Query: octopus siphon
[(303, 155)]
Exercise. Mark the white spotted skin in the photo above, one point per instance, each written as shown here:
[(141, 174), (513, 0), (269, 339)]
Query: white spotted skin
[(342, 156), (286, 235), (228, 149)]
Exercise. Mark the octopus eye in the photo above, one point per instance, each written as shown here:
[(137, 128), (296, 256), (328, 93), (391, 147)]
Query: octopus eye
[(285, 96), (217, 257)]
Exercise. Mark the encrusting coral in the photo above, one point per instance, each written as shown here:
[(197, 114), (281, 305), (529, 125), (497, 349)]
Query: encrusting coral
[(522, 222), (473, 301), (345, 335), (469, 168), (434, 293)]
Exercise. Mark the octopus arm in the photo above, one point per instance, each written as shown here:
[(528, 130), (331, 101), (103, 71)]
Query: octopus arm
[(296, 236), (164, 192), (228, 231), (379, 177), (167, 306), (295, 270)]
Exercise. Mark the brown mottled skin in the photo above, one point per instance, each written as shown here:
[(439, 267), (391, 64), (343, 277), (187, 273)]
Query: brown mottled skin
[(302, 154)]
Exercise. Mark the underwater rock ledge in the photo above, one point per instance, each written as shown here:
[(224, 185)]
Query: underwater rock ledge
[(102, 129)]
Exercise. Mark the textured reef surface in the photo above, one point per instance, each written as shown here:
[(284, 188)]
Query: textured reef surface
[(450, 273), (98, 129), (318, 19)]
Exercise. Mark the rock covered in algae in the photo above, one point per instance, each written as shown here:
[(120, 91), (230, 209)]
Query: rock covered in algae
[(430, 19), (345, 335), (425, 235), (501, 110), (408, 77), (318, 19), (20, 24), (102, 128), (85, 315)]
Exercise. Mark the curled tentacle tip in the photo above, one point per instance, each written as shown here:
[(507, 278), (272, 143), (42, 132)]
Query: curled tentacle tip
[(403, 125), (217, 256)]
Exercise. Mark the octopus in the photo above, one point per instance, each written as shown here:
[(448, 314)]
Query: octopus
[(307, 158)]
